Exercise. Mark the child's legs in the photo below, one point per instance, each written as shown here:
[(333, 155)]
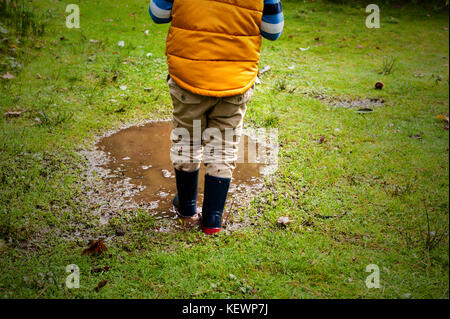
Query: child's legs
[(227, 118), (186, 151)]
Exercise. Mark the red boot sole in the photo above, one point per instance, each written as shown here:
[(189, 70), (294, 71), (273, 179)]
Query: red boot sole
[(211, 231)]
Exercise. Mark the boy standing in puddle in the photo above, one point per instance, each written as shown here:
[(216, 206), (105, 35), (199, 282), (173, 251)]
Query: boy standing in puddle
[(213, 50)]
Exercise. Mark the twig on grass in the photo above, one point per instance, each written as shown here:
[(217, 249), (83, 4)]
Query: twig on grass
[(297, 284), (330, 217), (41, 292)]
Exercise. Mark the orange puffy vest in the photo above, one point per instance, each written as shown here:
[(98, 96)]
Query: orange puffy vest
[(213, 46)]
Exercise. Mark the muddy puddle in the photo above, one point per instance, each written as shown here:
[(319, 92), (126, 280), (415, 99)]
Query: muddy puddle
[(139, 157)]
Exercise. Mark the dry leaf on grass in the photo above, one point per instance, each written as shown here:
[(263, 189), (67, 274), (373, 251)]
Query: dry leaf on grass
[(7, 76), (100, 285), (101, 269), (264, 69), (12, 114), (283, 221), (443, 118), (95, 247), (364, 110)]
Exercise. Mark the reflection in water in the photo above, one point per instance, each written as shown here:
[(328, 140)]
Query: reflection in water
[(141, 154)]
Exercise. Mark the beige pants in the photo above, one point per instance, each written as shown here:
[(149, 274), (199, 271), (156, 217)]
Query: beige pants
[(203, 118)]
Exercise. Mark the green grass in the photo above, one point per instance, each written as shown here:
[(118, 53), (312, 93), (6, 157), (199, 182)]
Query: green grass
[(372, 172)]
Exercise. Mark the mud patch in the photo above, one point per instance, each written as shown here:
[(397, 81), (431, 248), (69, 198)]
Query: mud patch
[(368, 103), (134, 171)]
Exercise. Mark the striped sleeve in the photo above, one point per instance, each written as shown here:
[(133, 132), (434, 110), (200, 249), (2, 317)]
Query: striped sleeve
[(161, 10), (273, 20)]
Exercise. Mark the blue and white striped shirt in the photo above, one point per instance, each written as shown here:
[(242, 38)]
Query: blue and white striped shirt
[(272, 20), (271, 26)]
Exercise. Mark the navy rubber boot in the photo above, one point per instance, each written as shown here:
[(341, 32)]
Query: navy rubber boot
[(216, 191), (186, 199)]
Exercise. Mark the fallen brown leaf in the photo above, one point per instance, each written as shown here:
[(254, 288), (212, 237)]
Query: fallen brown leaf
[(95, 247), (443, 118), (100, 285), (101, 269), (11, 114), (416, 136)]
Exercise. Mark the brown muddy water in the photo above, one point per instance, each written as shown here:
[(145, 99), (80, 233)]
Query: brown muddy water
[(140, 156)]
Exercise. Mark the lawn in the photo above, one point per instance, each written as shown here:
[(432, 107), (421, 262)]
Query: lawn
[(360, 188)]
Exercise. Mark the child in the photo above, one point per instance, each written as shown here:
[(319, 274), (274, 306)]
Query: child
[(213, 49)]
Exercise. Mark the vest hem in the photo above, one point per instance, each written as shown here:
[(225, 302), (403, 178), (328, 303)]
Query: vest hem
[(212, 93)]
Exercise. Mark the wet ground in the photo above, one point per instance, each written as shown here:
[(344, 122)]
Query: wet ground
[(367, 103), (140, 156)]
